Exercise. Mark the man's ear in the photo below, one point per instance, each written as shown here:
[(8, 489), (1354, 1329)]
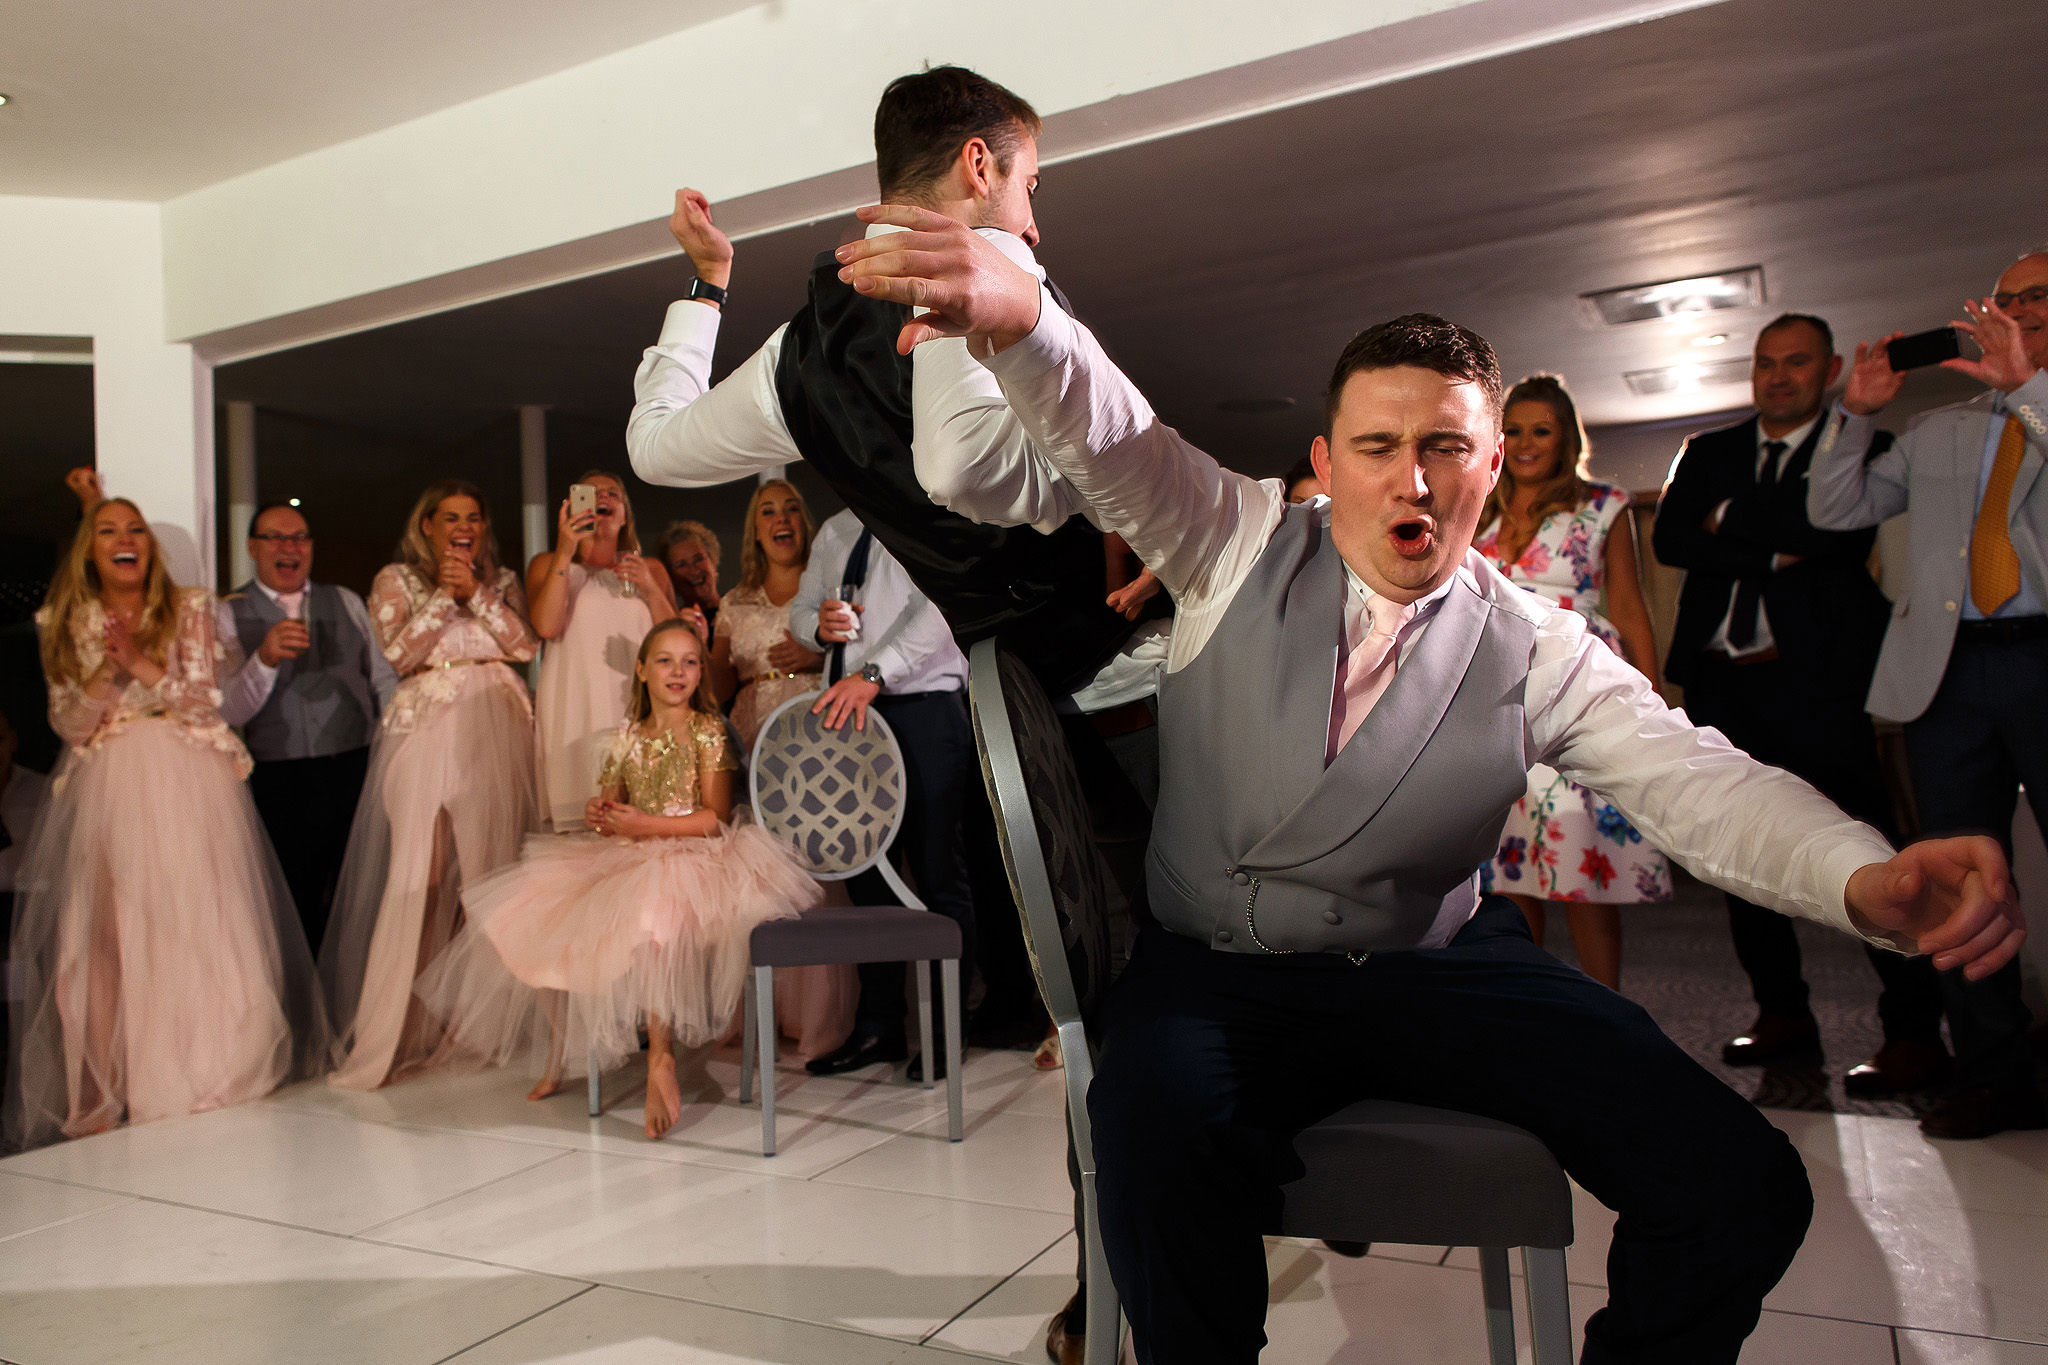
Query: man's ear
[(1319, 460), (1500, 456), (977, 165), (1834, 372)]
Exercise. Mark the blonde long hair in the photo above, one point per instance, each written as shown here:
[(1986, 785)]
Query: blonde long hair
[(416, 552), (753, 559), (629, 535), (77, 581), (1567, 488), (640, 705)]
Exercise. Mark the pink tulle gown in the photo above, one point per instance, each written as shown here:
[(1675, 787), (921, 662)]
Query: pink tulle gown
[(813, 1005), (449, 797), (588, 934), (162, 967)]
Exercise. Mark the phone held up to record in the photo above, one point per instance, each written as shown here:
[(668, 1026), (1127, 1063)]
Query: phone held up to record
[(1924, 348), (582, 500)]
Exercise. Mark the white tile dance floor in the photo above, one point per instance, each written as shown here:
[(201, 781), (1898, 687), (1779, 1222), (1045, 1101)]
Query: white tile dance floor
[(451, 1220)]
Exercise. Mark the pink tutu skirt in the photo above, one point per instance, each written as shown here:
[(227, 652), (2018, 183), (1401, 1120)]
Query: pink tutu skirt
[(585, 936)]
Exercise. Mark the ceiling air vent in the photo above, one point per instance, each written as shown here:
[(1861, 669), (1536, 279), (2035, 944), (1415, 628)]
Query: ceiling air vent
[(1742, 288), (1676, 378)]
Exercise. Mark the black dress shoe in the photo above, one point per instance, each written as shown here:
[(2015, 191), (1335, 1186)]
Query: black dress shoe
[(1978, 1111), (915, 1071), (1775, 1040), (1901, 1067), (1354, 1250), (858, 1051)]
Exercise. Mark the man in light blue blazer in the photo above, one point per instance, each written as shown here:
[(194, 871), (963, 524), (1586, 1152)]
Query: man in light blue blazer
[(1965, 661)]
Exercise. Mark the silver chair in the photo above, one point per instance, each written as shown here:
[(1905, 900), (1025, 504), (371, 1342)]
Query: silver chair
[(837, 798), (1376, 1171)]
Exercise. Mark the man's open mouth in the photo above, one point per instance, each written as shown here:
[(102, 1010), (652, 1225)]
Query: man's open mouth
[(1413, 537)]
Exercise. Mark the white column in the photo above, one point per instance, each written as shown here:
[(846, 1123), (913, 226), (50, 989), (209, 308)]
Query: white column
[(533, 478), (241, 490)]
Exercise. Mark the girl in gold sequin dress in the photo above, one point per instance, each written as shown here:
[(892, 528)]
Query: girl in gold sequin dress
[(646, 916)]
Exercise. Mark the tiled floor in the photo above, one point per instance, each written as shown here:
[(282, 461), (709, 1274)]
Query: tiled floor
[(449, 1219)]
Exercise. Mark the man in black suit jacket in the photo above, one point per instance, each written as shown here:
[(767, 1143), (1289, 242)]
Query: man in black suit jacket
[(1778, 629)]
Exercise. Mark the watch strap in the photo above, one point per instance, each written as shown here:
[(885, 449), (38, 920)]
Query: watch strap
[(700, 288)]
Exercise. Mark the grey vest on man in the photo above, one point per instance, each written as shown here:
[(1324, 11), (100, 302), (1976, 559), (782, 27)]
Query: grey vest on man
[(1257, 846), (323, 702)]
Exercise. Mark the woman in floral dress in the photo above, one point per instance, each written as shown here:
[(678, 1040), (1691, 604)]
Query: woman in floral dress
[(451, 791), (1553, 531)]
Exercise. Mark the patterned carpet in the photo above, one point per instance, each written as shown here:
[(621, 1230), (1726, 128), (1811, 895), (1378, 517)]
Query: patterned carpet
[(1678, 964)]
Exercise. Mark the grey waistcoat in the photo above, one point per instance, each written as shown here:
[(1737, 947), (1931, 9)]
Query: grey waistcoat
[(1256, 845), (323, 702)]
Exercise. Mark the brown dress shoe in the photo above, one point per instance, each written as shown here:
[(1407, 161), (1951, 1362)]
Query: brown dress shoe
[(1775, 1040), (1981, 1110), (1901, 1067), (1061, 1346)]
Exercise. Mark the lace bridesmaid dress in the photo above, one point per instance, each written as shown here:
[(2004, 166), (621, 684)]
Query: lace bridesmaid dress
[(161, 966)]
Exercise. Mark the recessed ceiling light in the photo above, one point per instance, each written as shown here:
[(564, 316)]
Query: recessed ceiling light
[(1717, 339), (4, 99), (1678, 378), (293, 502), (1742, 288), (1254, 407)]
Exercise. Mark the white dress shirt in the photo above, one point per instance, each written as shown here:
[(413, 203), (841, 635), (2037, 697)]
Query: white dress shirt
[(901, 632), (971, 454), (243, 694), (1753, 830)]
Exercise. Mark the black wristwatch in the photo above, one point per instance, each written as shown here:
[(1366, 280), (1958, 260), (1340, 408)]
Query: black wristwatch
[(870, 673), (700, 288)]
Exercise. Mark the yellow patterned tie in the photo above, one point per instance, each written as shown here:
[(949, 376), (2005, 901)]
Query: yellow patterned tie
[(1994, 564)]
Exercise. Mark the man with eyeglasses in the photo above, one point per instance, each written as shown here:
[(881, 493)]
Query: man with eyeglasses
[(1965, 660), (307, 701)]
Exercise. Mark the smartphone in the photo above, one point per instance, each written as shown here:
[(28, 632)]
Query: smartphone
[(1924, 348), (582, 500)]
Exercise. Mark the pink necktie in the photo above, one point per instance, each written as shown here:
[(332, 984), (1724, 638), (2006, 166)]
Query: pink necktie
[(1367, 670), (291, 601)]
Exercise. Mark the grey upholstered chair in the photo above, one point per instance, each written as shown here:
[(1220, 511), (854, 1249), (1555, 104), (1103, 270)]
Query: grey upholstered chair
[(837, 798), (1377, 1171)]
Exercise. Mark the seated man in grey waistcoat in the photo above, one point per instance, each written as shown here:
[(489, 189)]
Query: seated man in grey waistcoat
[(1351, 705), (307, 701)]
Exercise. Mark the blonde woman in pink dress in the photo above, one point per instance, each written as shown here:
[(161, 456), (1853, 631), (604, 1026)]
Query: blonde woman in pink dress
[(646, 917), (450, 793), (592, 598), (1552, 530), (161, 966), (758, 664)]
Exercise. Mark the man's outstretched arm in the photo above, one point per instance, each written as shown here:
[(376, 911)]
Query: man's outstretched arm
[(1197, 525), (683, 431)]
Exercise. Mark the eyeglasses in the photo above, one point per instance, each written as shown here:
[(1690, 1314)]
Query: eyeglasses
[(2030, 297), (273, 538)]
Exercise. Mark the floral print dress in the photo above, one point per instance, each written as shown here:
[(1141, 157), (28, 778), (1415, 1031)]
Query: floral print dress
[(1562, 841)]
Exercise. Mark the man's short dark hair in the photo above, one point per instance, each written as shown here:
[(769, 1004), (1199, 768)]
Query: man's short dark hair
[(926, 117), (1784, 320), (1425, 341), (258, 514)]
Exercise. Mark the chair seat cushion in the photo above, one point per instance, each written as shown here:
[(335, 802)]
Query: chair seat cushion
[(1386, 1172), (855, 933)]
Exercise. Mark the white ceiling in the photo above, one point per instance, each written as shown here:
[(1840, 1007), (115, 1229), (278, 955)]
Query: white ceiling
[(1878, 171), (146, 99)]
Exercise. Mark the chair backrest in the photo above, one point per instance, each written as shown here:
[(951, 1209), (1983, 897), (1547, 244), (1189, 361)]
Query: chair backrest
[(835, 796), (1073, 914)]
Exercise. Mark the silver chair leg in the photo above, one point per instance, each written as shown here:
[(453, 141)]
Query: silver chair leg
[(949, 992), (747, 1041), (595, 1082), (924, 1021), (764, 1045), (1550, 1311), (1105, 1314), (1500, 1305)]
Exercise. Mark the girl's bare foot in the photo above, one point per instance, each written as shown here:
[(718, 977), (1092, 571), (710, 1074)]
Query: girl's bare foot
[(548, 1086), (664, 1098)]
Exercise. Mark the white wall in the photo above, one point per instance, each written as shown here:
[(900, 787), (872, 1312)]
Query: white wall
[(769, 112), (93, 268)]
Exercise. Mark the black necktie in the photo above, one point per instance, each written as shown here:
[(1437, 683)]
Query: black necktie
[(1749, 593)]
